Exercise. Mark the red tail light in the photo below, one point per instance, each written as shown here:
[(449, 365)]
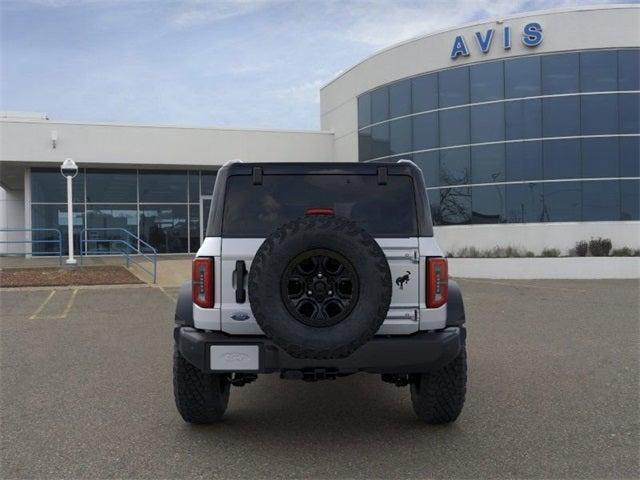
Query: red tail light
[(202, 282), (319, 211), (437, 282)]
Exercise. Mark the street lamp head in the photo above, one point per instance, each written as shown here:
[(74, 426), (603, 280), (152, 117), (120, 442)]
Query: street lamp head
[(69, 169)]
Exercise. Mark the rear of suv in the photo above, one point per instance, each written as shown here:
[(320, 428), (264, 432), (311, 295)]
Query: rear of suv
[(317, 271)]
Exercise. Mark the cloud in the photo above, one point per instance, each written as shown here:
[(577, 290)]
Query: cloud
[(190, 13)]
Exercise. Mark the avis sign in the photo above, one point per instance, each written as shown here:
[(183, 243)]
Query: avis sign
[(531, 37)]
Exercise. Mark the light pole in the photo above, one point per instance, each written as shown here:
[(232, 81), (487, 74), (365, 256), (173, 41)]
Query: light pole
[(69, 170)]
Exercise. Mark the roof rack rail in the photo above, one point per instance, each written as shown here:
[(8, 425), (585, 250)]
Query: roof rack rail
[(232, 161)]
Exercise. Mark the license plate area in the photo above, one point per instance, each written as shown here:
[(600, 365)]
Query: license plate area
[(234, 358)]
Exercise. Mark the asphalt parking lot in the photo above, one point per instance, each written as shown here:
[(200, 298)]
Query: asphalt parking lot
[(553, 393)]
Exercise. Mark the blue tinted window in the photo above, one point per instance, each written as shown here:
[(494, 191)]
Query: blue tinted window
[(629, 69), (522, 77), (454, 127), (112, 216), (165, 227), (455, 206), (49, 186), (53, 216), (630, 156), (523, 119), (425, 131), (599, 71), (487, 164), (630, 200), (561, 159), (488, 204), (107, 186), (562, 201), (523, 161), (524, 203), (400, 135), (380, 141), (194, 227), (429, 163), (629, 112), (561, 116), (560, 73), (379, 105), (454, 87), (434, 204), (163, 186), (599, 114), (600, 157), (208, 180), (487, 81), (365, 147), (400, 99), (487, 123), (424, 92), (194, 186), (364, 110), (455, 166), (600, 200)]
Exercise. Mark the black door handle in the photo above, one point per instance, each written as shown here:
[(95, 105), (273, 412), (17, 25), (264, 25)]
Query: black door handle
[(241, 271)]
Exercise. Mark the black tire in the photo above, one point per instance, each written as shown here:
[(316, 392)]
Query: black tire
[(367, 264), (200, 397), (438, 396)]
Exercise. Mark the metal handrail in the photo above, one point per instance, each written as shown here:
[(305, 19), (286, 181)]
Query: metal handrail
[(151, 256), (32, 241)]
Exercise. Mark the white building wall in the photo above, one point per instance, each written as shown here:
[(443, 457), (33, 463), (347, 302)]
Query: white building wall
[(11, 217)]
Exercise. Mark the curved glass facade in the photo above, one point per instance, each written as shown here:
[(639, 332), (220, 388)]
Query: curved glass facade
[(544, 138)]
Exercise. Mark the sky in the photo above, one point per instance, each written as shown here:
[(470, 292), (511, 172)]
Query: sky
[(227, 63)]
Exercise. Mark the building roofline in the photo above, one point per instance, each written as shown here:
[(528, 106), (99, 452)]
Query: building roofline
[(148, 125), (481, 22)]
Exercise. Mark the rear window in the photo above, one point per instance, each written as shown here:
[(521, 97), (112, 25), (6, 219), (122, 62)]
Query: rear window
[(257, 210)]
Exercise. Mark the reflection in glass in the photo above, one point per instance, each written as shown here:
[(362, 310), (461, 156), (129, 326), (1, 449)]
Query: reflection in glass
[(55, 216), (599, 114), (107, 186), (400, 135), (560, 73), (364, 110), (49, 186), (522, 77), (561, 116), (113, 217), (487, 163), (561, 159), (434, 204), (455, 206), (630, 156), (425, 131), (488, 204), (600, 157), (524, 203), (165, 227), (365, 147), (424, 93), (600, 200), (379, 104), (523, 161), (163, 186), (400, 99), (523, 119), (208, 180), (629, 69), (455, 166), (562, 202), (194, 186), (487, 123), (194, 226), (598, 71), (630, 199), (454, 127), (453, 87), (429, 163), (629, 113), (380, 140), (487, 81)]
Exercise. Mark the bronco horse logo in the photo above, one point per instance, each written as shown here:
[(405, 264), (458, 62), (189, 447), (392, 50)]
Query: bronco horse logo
[(400, 281)]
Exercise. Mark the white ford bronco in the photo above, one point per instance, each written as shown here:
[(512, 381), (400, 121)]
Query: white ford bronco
[(316, 271)]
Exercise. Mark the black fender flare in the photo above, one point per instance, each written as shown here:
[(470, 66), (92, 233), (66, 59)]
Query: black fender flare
[(455, 306), (184, 307)]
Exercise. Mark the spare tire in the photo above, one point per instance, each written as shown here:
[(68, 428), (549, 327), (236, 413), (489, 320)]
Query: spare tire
[(320, 287)]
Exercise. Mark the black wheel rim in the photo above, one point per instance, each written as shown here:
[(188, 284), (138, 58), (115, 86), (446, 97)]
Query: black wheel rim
[(320, 287)]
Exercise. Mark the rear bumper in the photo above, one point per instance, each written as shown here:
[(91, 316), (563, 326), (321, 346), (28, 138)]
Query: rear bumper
[(415, 353)]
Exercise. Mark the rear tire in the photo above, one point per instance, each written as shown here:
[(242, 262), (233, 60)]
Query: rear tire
[(438, 396), (201, 398)]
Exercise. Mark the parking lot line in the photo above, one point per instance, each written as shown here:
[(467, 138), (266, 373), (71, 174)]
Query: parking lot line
[(37, 314), (42, 305)]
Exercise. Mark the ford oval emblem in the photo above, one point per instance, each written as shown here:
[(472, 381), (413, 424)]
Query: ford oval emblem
[(240, 316)]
